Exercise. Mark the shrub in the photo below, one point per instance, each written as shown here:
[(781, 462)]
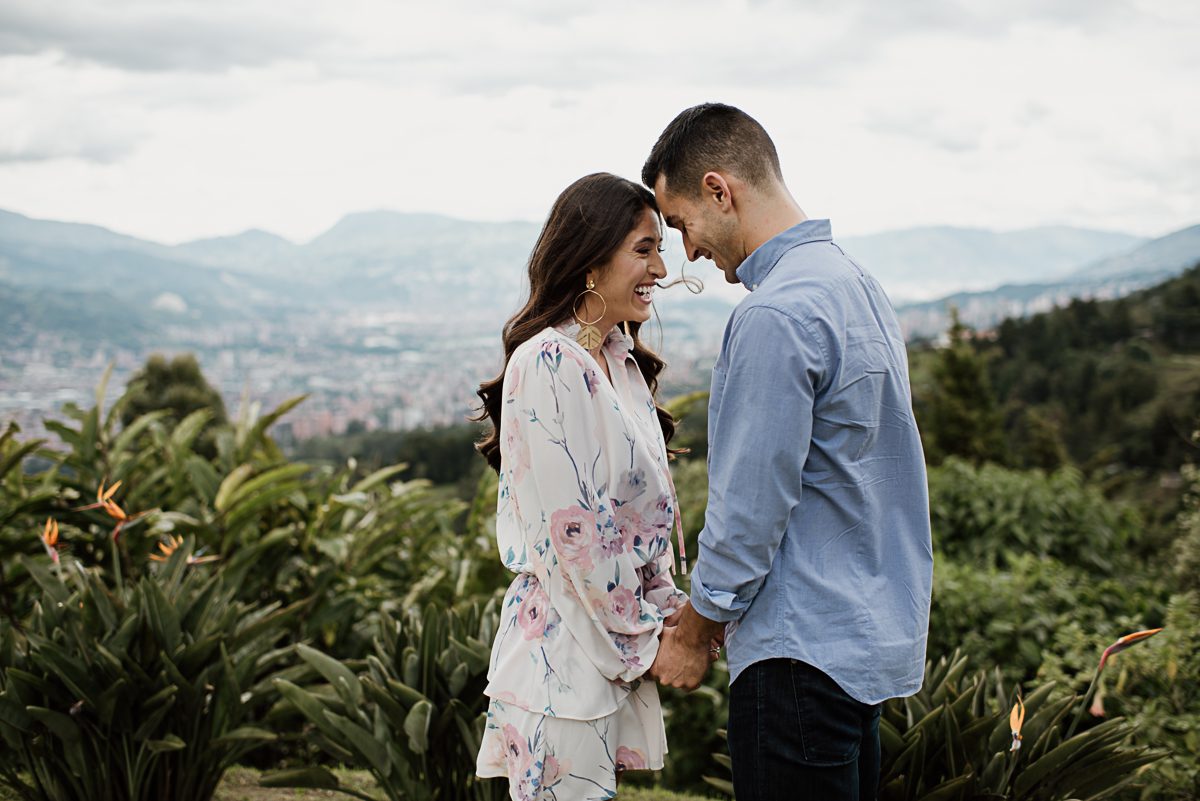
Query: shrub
[(415, 718), (1014, 617), (986, 515), (137, 692)]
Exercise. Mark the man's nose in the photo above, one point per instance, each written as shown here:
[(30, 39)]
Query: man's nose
[(692, 252)]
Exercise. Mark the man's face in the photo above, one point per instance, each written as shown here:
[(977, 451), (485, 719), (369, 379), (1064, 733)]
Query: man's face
[(707, 233)]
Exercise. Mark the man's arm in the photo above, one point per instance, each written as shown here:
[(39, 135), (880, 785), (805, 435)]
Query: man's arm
[(760, 439)]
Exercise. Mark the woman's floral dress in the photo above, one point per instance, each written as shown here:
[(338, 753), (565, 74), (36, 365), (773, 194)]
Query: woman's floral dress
[(586, 509)]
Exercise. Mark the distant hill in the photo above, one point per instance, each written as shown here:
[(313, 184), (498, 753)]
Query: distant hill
[(922, 263), (254, 251), (1165, 255), (1112, 277), (458, 272)]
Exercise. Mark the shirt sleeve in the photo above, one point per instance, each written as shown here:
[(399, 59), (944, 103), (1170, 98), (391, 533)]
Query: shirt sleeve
[(572, 453), (760, 437)]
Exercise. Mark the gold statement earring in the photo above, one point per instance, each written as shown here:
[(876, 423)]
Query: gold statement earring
[(589, 335)]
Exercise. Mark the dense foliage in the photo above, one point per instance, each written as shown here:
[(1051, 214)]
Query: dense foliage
[(159, 561), (1117, 380), (443, 455), (415, 717), (134, 691)]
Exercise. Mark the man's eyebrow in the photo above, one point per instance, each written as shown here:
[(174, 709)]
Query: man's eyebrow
[(672, 220)]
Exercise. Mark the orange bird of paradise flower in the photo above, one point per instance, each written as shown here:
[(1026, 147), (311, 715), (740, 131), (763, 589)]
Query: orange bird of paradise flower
[(170, 545), (1016, 719), (1097, 707), (111, 508), (1124, 642), (50, 538)]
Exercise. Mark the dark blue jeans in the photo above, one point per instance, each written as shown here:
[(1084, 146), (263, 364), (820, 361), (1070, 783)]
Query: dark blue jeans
[(795, 735)]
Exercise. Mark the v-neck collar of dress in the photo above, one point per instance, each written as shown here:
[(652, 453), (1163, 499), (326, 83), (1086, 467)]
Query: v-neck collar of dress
[(618, 344)]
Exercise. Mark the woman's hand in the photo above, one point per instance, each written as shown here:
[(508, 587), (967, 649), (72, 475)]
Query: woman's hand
[(673, 619)]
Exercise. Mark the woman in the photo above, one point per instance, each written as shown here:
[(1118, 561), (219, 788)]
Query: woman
[(586, 506)]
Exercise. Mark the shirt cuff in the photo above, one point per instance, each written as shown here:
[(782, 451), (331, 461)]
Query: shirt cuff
[(716, 605)]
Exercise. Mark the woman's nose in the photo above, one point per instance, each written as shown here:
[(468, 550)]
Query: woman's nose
[(658, 268)]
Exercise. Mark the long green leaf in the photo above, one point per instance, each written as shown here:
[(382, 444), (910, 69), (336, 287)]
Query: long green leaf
[(340, 677), (416, 726), (61, 725), (230, 484)]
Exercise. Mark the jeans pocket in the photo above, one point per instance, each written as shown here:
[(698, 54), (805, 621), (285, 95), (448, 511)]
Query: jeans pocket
[(830, 722)]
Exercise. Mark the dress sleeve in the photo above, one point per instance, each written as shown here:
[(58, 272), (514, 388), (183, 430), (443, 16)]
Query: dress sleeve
[(659, 588), (568, 451)]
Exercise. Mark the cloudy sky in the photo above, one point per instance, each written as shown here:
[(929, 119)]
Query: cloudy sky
[(178, 119)]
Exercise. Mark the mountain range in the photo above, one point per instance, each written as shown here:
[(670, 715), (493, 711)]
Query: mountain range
[(1110, 277), (461, 273)]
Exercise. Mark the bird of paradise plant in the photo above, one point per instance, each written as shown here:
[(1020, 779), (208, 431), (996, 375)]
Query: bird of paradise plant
[(1095, 689), (104, 500), (51, 544), (171, 544), (1016, 720), (50, 539)]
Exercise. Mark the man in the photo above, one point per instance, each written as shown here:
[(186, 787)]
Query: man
[(815, 562)]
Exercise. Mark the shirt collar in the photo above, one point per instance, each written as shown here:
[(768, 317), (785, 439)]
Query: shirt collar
[(758, 265), (617, 343)]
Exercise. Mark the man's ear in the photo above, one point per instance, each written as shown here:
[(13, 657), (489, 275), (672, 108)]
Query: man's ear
[(715, 190)]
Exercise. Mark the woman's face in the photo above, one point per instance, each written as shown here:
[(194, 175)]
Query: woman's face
[(627, 282)]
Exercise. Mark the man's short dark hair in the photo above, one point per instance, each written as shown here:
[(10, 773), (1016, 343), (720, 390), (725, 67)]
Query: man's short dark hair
[(711, 137)]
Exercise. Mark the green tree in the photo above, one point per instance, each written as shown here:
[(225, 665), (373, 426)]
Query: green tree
[(960, 416), (179, 388)]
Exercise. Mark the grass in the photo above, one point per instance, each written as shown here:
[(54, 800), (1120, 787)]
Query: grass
[(241, 784)]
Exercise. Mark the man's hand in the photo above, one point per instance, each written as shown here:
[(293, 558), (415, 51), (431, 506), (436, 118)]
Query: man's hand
[(686, 650)]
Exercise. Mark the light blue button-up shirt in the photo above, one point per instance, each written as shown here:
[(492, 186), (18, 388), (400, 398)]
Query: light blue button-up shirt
[(816, 543)]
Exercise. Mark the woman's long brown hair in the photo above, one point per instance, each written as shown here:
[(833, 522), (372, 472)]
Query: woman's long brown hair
[(587, 223)]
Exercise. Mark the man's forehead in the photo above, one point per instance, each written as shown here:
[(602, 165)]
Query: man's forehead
[(668, 204)]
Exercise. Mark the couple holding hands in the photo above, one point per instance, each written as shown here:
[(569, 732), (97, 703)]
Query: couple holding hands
[(815, 564)]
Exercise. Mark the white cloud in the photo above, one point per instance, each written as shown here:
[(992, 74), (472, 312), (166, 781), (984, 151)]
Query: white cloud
[(187, 119)]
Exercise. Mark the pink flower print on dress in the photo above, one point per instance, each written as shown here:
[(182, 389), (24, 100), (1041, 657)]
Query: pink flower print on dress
[(624, 604), (630, 525), (573, 532), (627, 647), (591, 380), (513, 383), (514, 448), (611, 541), (571, 354), (554, 770), (531, 614), (630, 759), (527, 787), (516, 752)]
